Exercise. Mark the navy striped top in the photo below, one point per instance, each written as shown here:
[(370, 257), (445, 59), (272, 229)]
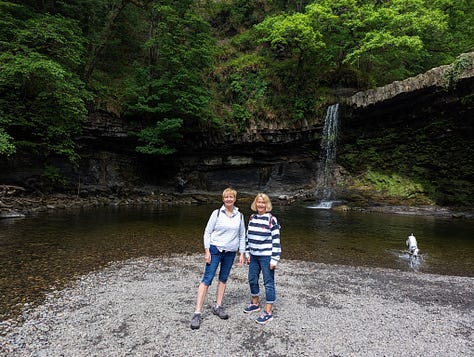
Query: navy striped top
[(263, 237)]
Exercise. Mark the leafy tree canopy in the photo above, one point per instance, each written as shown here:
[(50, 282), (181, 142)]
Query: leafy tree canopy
[(176, 67), (170, 89), (43, 101)]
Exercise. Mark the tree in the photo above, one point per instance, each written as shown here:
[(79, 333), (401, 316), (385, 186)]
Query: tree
[(396, 37), (169, 93), (459, 36), (42, 99), (101, 36), (293, 43), (383, 40), (291, 37)]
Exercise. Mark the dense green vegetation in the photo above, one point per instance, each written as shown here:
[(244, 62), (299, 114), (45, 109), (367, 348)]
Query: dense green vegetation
[(178, 66), (172, 68)]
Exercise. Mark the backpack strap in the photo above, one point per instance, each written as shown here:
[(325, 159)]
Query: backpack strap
[(218, 211)]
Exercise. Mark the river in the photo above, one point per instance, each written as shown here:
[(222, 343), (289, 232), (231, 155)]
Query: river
[(46, 251)]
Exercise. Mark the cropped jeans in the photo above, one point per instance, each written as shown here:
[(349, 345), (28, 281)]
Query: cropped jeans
[(225, 259), (262, 264)]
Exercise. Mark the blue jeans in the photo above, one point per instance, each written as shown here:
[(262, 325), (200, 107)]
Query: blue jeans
[(225, 259), (262, 264)]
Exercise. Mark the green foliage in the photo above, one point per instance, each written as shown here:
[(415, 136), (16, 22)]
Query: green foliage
[(42, 99), (6, 146), (160, 61), (55, 37), (392, 184), (397, 36), (158, 140), (247, 92), (53, 175), (459, 37), (378, 42), (461, 66), (234, 17), (240, 116), (290, 36), (172, 85), (181, 67)]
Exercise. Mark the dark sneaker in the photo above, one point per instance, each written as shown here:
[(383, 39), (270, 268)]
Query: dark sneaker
[(196, 321), (219, 311), (251, 308), (264, 318)]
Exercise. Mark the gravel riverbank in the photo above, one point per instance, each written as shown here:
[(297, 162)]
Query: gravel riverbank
[(143, 307)]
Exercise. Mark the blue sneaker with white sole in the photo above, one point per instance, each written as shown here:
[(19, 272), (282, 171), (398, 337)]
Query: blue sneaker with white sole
[(251, 308), (264, 318)]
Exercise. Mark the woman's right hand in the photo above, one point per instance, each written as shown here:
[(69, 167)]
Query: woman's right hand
[(207, 256)]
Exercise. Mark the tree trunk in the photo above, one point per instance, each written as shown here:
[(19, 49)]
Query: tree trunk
[(106, 32)]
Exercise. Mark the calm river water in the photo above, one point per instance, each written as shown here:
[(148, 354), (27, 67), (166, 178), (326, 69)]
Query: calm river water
[(46, 251)]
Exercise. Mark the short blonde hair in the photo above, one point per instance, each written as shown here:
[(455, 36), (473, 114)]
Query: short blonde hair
[(229, 190), (266, 199)]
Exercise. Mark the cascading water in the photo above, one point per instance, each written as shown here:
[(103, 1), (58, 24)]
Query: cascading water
[(325, 176)]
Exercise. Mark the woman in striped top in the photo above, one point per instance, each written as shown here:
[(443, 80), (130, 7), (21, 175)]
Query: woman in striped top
[(262, 254)]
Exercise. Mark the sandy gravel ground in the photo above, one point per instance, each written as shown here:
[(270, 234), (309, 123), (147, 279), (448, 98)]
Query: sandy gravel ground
[(143, 307)]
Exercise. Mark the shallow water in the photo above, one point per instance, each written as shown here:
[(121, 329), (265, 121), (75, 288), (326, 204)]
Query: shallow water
[(46, 251)]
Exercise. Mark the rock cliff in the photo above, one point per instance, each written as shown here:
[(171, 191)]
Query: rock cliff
[(419, 129), (413, 128), (437, 79)]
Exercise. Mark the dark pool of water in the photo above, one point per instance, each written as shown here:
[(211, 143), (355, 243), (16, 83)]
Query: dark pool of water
[(46, 251)]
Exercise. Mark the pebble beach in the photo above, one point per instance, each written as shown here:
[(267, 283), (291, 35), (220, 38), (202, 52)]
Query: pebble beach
[(143, 307)]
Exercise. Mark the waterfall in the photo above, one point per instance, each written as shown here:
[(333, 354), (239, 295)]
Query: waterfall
[(325, 176)]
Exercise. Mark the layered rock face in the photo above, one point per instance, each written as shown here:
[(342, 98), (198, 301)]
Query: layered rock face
[(280, 161), (435, 80), (419, 128)]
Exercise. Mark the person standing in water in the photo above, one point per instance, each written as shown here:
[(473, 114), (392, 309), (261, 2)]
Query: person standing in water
[(223, 236), (262, 252)]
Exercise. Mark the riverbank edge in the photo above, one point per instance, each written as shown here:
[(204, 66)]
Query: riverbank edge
[(16, 206)]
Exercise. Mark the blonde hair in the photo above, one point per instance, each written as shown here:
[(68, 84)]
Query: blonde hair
[(266, 199), (229, 190)]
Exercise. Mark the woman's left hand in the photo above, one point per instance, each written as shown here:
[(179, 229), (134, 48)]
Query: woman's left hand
[(207, 256), (241, 258)]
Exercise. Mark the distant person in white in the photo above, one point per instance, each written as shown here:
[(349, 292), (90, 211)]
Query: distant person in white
[(412, 245)]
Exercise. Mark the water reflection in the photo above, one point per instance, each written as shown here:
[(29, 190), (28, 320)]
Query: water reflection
[(46, 251)]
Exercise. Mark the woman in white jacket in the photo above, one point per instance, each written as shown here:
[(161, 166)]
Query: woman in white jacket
[(223, 236)]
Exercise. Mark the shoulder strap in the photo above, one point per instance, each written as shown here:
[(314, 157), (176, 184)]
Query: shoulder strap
[(218, 211)]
